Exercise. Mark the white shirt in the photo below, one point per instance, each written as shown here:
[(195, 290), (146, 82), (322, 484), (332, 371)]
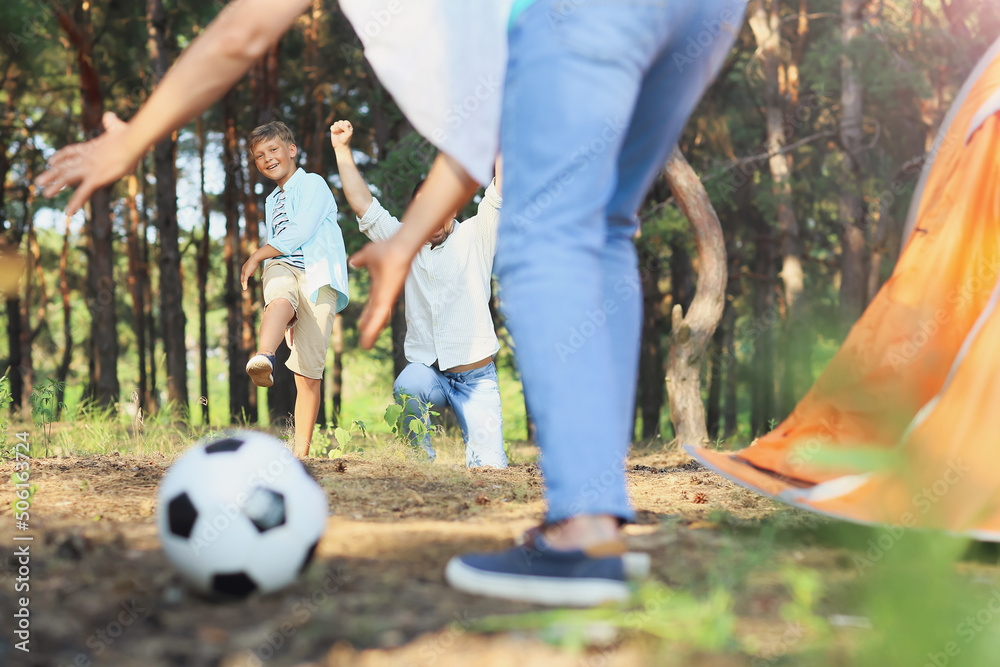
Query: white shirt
[(444, 62), (448, 316)]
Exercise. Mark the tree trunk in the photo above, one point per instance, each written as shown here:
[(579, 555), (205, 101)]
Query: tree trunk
[(652, 369), (29, 333), (281, 395), (731, 410), (14, 324), (11, 248), (338, 368), (62, 372), (313, 128), (397, 325), (853, 268), (716, 369), (691, 333), (765, 315), (172, 318), (203, 263), (765, 22), (135, 269), (239, 382), (103, 386), (252, 295), (153, 397)]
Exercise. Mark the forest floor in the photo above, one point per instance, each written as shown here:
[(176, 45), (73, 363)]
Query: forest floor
[(742, 580)]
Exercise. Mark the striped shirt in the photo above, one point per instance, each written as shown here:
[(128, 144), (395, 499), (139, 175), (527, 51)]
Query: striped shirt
[(448, 316), (279, 225)]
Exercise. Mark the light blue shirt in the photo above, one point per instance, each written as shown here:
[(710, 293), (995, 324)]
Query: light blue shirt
[(312, 226), (518, 7)]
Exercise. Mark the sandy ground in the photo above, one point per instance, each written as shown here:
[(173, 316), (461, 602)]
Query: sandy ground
[(103, 593)]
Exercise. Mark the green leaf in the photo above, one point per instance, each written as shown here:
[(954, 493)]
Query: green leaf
[(392, 414), (343, 437)]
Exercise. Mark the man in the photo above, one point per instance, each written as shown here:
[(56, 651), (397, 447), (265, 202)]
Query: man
[(450, 340)]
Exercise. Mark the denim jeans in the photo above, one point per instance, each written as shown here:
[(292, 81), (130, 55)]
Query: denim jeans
[(597, 94), (473, 395)]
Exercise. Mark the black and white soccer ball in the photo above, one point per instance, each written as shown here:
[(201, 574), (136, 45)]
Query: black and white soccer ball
[(239, 514)]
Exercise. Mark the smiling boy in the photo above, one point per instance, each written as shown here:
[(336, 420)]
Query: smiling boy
[(304, 277)]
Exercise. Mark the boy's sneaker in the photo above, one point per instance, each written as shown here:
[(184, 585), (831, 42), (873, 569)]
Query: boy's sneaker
[(535, 572), (260, 368)]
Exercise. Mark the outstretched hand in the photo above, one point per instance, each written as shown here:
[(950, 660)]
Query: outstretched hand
[(249, 268), (90, 165), (387, 265), (341, 133)]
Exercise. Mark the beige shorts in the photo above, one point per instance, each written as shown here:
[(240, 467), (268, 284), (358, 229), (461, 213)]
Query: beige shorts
[(313, 322)]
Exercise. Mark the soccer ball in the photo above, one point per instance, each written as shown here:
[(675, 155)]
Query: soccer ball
[(239, 514)]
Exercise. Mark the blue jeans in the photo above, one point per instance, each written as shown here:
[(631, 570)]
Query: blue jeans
[(473, 395), (597, 94)]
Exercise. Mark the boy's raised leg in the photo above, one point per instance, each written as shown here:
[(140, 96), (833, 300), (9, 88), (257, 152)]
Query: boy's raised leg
[(277, 315)]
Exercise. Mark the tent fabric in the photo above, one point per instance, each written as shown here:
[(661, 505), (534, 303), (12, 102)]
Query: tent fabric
[(919, 373)]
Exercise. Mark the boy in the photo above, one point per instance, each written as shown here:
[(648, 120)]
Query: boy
[(304, 277), (450, 340)]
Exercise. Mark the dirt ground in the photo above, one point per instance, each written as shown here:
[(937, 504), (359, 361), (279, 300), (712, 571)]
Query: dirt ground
[(103, 593)]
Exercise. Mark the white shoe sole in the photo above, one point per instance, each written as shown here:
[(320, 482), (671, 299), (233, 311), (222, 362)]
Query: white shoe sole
[(260, 373), (538, 590), (636, 564)]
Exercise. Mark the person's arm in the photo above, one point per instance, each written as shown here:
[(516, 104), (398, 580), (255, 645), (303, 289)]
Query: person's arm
[(258, 256), (448, 187), (373, 220), (359, 197), (237, 38), (486, 222)]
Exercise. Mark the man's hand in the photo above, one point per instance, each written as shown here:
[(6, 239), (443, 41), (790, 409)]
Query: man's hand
[(341, 133), (387, 262), (249, 268), (90, 165)]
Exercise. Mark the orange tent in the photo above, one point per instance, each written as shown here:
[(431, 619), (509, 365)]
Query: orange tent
[(919, 374)]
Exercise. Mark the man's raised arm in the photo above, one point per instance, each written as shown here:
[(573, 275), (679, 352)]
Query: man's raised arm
[(359, 197)]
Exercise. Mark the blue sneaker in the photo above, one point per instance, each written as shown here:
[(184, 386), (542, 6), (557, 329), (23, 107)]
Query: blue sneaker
[(636, 563), (260, 368), (535, 572)]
